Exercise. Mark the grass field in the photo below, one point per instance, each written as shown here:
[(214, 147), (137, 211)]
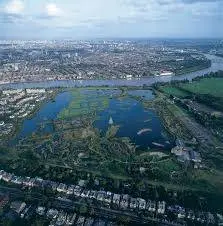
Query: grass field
[(211, 86), (171, 90)]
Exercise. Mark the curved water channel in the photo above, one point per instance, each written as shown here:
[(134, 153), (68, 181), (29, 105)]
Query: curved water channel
[(217, 64)]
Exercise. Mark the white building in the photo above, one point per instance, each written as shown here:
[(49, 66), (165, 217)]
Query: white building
[(34, 91), (11, 91)]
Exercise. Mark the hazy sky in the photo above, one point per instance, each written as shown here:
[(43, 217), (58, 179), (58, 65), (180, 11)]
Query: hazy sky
[(110, 18)]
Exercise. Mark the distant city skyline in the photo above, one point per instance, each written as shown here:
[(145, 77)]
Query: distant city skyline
[(86, 19)]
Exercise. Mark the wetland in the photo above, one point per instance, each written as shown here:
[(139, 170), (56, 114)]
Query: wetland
[(101, 104), (124, 135)]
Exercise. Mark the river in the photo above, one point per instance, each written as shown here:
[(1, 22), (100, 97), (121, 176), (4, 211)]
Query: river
[(217, 64)]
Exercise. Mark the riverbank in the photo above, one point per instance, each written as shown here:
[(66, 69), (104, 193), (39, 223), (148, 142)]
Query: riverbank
[(216, 65)]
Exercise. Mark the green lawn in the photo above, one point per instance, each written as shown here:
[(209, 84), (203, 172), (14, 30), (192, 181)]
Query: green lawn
[(211, 86)]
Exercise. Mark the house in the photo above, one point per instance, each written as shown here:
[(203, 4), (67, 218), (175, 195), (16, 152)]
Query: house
[(38, 182), (17, 180), (31, 182), (77, 191), (151, 206), (108, 197), (200, 217), (133, 203), (26, 212), (80, 221), (179, 211), (7, 176), (190, 215), (181, 153), (101, 195), (161, 207), (85, 193), (1, 173), (93, 194), (116, 199), (26, 181), (124, 202), (70, 190), (61, 218), (18, 206), (142, 203), (181, 214), (40, 210), (52, 213), (62, 188), (53, 185), (70, 219), (89, 222), (210, 218), (195, 156)]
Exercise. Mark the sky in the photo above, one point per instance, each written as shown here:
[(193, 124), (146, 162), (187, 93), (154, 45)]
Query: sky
[(77, 19)]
